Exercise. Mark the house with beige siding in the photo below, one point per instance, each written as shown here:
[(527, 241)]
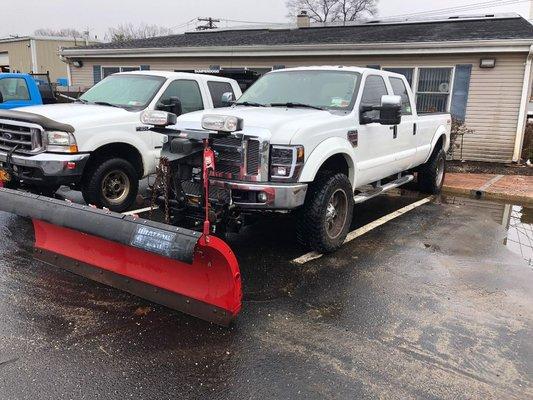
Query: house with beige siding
[(477, 68), (36, 54)]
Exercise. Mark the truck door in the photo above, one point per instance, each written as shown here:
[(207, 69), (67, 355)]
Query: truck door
[(188, 92), (406, 139), (375, 153), (15, 92)]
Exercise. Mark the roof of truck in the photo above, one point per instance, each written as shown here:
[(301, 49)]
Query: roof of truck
[(173, 75)]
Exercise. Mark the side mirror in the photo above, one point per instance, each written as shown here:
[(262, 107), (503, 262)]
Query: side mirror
[(227, 99), (390, 111), (1, 97), (172, 105)]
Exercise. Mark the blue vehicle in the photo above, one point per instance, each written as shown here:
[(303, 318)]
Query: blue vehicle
[(22, 90)]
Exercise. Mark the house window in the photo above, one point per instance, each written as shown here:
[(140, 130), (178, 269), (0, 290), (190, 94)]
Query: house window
[(106, 71), (433, 90), (409, 73)]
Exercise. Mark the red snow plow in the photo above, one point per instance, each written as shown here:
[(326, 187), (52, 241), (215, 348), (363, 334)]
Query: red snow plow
[(184, 269)]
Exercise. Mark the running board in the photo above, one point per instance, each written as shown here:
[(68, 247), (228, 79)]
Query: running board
[(362, 197)]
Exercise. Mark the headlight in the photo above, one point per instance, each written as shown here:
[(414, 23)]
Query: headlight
[(61, 142), (158, 118), (221, 123), (286, 162)]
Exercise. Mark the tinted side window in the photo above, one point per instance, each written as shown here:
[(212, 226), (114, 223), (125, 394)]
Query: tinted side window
[(374, 89), (188, 92), (217, 89), (399, 89), (14, 89)]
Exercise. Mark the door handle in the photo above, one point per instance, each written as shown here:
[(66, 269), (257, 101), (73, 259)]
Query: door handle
[(394, 130), (414, 128)]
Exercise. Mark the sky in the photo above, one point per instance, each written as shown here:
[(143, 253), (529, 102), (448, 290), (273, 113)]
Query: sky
[(23, 17)]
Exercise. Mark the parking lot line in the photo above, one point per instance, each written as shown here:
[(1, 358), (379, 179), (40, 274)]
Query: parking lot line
[(365, 229)]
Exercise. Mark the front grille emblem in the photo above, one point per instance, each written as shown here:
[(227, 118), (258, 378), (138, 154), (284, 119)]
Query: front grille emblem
[(8, 136)]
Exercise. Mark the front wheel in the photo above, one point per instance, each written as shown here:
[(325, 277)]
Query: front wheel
[(326, 217), (113, 184), (431, 175)]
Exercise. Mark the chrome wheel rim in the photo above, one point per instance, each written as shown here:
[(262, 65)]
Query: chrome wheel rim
[(336, 213), (115, 187), (440, 171)]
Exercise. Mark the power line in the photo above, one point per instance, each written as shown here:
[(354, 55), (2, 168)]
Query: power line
[(469, 7), (254, 22), (210, 24), (184, 24)]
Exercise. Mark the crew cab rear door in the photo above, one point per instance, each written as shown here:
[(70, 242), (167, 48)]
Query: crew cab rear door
[(406, 133)]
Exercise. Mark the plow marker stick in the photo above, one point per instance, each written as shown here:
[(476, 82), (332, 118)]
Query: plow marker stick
[(175, 267)]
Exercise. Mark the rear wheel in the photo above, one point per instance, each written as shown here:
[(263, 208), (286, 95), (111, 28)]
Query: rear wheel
[(113, 184), (431, 175), (325, 219)]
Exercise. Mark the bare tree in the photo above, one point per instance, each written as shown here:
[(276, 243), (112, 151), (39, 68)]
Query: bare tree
[(318, 10), (352, 10), (129, 31), (67, 32), (333, 10)]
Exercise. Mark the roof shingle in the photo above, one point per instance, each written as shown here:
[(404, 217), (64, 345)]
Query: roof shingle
[(452, 30)]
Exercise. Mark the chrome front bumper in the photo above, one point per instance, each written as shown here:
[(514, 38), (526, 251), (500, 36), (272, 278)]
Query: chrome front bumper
[(280, 196), (45, 167)]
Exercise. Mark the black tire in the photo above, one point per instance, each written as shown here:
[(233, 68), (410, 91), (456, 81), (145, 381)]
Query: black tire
[(313, 229), (100, 175), (431, 175)]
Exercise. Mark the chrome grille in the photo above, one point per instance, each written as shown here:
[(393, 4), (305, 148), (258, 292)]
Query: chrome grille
[(228, 155), (252, 157), (25, 138), (237, 158)]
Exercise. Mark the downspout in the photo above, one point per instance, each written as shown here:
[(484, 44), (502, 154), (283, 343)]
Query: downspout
[(522, 116), (33, 50)]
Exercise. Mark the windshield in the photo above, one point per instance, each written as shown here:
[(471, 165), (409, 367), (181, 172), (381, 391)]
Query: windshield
[(128, 91), (322, 89)]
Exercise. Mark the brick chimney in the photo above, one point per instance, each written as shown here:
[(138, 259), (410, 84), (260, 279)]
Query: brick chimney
[(303, 20)]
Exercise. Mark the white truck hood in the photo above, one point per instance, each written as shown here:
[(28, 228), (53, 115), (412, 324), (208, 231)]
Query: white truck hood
[(282, 123), (83, 116)]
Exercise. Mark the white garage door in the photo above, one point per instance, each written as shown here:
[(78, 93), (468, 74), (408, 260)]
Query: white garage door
[(4, 59)]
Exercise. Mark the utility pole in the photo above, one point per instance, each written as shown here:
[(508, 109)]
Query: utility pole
[(210, 23), (531, 10)]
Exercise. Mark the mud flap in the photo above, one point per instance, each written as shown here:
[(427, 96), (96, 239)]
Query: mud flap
[(179, 268)]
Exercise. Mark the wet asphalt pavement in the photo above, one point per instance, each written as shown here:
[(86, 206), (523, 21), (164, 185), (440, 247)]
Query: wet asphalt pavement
[(430, 305)]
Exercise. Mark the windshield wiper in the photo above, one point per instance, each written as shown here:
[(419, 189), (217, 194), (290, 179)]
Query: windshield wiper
[(250, 104), (293, 105), (79, 100), (104, 103)]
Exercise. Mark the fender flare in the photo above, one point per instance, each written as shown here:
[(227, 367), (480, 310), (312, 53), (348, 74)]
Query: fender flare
[(328, 148), (441, 131), (118, 138)]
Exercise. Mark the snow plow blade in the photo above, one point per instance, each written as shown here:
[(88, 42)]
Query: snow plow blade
[(176, 267)]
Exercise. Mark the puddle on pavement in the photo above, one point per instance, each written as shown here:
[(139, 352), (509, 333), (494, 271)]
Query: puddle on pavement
[(516, 219)]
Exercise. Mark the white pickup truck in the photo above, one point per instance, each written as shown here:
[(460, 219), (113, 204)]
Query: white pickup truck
[(98, 143), (317, 140)]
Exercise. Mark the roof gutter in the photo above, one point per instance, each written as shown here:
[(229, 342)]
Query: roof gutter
[(478, 46), (522, 116)]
